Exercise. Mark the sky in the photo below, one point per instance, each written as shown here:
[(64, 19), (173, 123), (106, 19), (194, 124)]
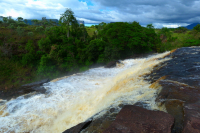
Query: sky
[(160, 13)]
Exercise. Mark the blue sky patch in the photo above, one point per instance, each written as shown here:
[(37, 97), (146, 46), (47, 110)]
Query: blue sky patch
[(89, 3)]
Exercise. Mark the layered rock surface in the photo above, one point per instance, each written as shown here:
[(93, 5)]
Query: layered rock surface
[(179, 81)]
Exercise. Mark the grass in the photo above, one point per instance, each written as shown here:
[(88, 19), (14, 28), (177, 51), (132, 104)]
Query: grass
[(90, 31), (179, 42)]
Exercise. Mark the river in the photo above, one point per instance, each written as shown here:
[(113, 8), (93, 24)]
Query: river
[(73, 99)]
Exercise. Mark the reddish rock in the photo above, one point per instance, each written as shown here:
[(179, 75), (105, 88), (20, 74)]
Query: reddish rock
[(134, 119), (192, 118)]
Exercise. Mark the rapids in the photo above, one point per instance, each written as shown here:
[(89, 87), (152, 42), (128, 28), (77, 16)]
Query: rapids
[(74, 99)]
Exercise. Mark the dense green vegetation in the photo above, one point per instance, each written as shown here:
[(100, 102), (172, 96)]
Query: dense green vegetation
[(44, 50)]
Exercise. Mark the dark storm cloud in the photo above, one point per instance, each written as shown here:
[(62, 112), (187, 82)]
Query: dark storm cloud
[(156, 11)]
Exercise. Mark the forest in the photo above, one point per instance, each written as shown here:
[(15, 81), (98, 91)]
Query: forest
[(30, 53)]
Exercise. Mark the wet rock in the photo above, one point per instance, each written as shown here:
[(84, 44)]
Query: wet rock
[(141, 55), (2, 102), (175, 108), (112, 110), (177, 90), (180, 89), (78, 128), (112, 64), (99, 124), (38, 83), (184, 67), (174, 95), (139, 120), (36, 86), (141, 104), (122, 105), (192, 118)]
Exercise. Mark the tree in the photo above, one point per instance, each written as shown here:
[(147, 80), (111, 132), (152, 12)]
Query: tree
[(35, 21), (68, 19), (20, 31), (21, 24), (96, 26), (39, 30), (19, 19), (11, 22), (124, 39), (197, 28), (101, 25), (165, 31), (26, 21), (5, 19), (150, 26)]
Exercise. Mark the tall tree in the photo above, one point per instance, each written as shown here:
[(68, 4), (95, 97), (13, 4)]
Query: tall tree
[(67, 19), (19, 19), (150, 26), (5, 19)]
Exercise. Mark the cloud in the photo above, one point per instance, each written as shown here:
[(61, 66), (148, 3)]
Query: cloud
[(160, 13)]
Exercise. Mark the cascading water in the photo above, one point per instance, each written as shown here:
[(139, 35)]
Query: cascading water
[(73, 99)]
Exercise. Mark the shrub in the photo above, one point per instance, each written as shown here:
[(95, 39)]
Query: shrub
[(180, 30), (46, 66), (165, 31), (29, 57), (94, 49), (39, 29), (11, 26), (20, 31), (197, 28), (48, 28), (82, 69), (191, 42), (45, 44), (30, 34)]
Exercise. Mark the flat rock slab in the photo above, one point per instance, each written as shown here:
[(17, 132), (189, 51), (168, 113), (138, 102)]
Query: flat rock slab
[(134, 119)]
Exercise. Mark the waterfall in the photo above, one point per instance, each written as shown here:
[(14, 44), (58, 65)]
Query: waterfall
[(73, 99)]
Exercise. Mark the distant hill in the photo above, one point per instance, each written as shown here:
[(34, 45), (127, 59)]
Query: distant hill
[(191, 26), (29, 22)]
